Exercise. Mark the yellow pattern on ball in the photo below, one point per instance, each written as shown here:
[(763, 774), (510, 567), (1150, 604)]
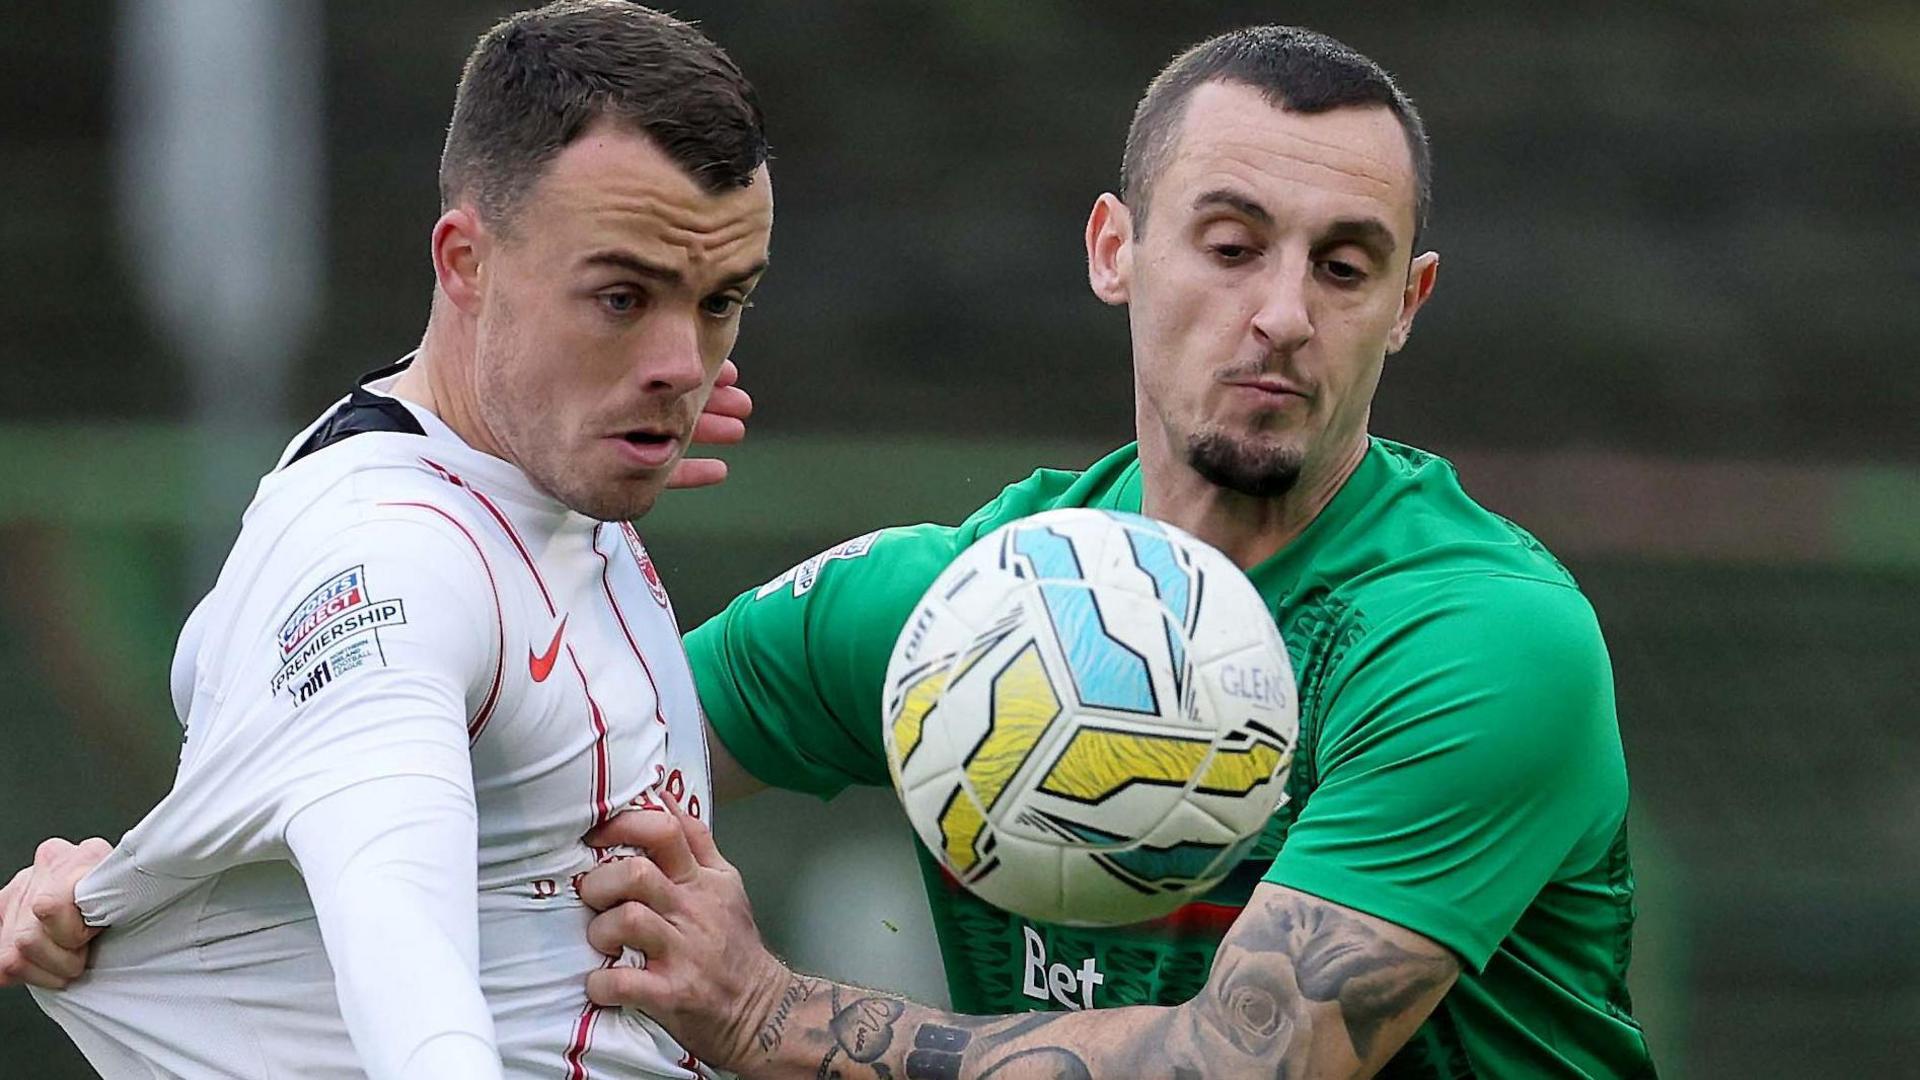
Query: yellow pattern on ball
[(915, 704), (924, 693), (1024, 703), (1098, 763)]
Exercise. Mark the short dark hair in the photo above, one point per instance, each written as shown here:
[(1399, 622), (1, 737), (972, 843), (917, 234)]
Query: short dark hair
[(1300, 70), (540, 78)]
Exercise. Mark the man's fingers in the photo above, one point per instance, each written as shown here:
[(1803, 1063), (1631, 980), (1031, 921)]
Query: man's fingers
[(697, 473), (60, 920), (712, 430), (614, 883), (667, 847), (632, 828), (631, 926), (660, 837), (43, 939), (16, 969), (721, 423), (705, 851), (51, 960), (699, 838), (635, 988), (730, 401), (59, 867)]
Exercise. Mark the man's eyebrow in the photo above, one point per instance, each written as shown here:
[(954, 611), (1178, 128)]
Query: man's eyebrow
[(1370, 233), (748, 274), (639, 267), (633, 264), (1236, 202)]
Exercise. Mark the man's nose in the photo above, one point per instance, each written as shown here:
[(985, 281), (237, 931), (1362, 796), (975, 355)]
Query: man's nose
[(1285, 318), (668, 360)]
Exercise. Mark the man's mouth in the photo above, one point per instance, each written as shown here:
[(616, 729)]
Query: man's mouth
[(1267, 392), (648, 447), (1268, 384)]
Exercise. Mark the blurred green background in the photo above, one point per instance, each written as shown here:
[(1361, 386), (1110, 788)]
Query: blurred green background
[(1673, 336)]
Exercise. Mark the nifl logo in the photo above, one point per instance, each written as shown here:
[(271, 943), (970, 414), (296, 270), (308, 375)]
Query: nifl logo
[(317, 681)]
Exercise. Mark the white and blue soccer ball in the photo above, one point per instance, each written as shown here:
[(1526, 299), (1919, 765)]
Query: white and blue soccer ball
[(1090, 717)]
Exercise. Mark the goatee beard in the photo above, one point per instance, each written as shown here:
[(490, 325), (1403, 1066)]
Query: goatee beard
[(1260, 472)]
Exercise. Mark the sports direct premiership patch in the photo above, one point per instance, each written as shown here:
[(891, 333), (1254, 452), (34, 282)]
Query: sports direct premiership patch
[(803, 576), (331, 632), (340, 594)]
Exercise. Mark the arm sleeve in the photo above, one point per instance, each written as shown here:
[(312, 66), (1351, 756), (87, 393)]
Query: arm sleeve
[(1468, 752), (790, 674), (390, 868)]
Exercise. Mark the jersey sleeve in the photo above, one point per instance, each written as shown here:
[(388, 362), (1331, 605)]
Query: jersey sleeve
[(790, 674), (356, 661), (328, 726), (1469, 750)]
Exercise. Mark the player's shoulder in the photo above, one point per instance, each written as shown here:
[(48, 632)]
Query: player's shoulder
[(1433, 569), (378, 496), (1513, 626), (1433, 515), (1112, 482)]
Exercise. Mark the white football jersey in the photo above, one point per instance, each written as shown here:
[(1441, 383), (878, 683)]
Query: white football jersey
[(411, 653)]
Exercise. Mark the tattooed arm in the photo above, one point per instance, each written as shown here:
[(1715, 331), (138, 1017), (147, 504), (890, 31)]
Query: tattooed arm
[(1301, 988)]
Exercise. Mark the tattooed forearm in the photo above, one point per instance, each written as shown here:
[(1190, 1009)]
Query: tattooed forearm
[(864, 1029), (799, 988), (1291, 953), (1040, 1063), (938, 1051), (1300, 987)]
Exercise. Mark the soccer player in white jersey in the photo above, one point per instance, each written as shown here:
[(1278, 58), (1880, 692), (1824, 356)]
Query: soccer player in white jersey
[(436, 634)]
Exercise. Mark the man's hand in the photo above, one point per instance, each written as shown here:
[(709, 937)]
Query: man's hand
[(708, 978), (43, 941), (722, 423), (1301, 987)]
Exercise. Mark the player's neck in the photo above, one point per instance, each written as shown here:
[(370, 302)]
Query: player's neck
[(440, 380), (1249, 529)]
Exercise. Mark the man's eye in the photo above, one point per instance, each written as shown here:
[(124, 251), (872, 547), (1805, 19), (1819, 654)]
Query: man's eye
[(1343, 272), (620, 302), (1232, 253), (723, 305)]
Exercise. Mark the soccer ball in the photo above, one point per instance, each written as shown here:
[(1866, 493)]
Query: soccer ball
[(1090, 717)]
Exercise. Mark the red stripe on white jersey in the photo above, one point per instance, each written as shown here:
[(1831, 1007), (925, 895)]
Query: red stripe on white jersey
[(583, 1035), (602, 766), (602, 762), (606, 584), (512, 534), (478, 722)]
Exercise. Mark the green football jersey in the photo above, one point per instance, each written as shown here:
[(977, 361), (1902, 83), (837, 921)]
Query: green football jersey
[(1458, 770)]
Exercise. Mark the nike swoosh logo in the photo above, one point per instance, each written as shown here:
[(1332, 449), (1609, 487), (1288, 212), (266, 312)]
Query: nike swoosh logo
[(541, 666)]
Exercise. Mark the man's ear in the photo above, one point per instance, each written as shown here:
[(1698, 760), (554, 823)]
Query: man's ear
[(460, 244), (1421, 275), (1110, 249)]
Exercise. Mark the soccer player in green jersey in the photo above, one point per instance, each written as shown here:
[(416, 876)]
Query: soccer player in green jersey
[(1446, 891)]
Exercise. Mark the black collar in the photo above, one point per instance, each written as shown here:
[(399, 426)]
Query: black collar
[(363, 411)]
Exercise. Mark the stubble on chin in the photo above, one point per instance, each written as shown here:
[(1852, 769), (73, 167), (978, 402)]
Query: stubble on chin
[(1243, 466), (609, 500)]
